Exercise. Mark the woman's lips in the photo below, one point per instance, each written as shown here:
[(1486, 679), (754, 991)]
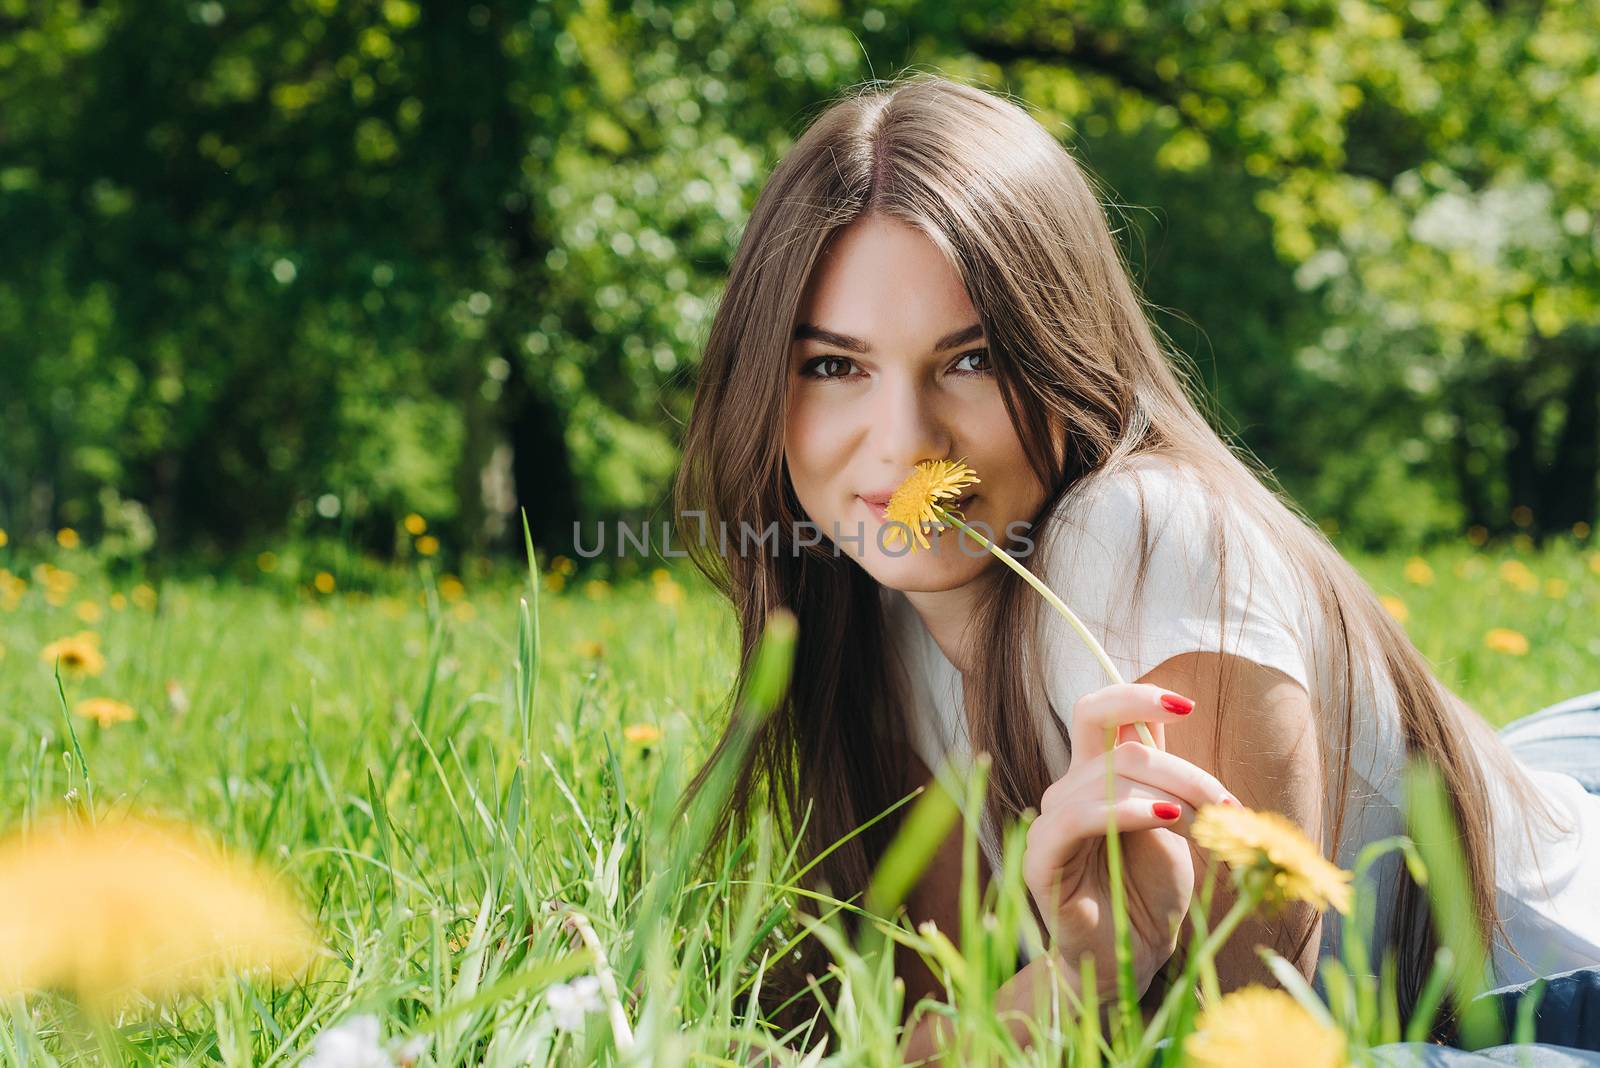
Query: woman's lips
[(879, 510)]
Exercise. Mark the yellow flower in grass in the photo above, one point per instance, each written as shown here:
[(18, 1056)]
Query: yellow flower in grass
[(642, 733), (67, 538), (1257, 1027), (78, 654), (129, 906), (914, 500), (1270, 852), (416, 525), (104, 710), (324, 582), (427, 545), (1518, 574), (1395, 607), (1506, 640), (1417, 572)]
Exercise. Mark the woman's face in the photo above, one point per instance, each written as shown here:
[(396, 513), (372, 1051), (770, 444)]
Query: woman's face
[(888, 367)]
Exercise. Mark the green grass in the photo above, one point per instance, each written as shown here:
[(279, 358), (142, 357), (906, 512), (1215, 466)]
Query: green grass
[(372, 749)]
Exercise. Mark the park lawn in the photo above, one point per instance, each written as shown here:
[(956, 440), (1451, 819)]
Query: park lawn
[(370, 747)]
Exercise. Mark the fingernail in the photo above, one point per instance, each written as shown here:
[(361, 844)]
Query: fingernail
[(1166, 810), (1173, 703), (1229, 801)]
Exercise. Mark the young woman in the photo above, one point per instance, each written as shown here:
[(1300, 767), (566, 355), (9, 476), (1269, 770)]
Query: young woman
[(929, 275)]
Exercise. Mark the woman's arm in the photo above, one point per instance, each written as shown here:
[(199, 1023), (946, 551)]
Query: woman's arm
[(1268, 756)]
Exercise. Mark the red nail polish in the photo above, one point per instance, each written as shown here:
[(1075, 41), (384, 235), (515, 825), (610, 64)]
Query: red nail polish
[(1179, 705), (1166, 810)]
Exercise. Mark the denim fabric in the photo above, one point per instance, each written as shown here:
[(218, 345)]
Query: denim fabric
[(1563, 737)]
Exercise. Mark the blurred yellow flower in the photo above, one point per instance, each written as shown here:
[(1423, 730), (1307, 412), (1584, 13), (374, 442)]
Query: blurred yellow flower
[(1518, 574), (1506, 640), (144, 596), (1594, 563), (127, 906), (1555, 588), (1258, 1027), (451, 588), (117, 601), (1395, 607), (642, 733), (4, 538), (591, 649), (1270, 850), (595, 589), (660, 574), (1418, 572), (914, 500), (562, 565), (669, 593), (427, 545), (88, 611), (79, 654), (104, 710), (415, 525), (67, 538), (1580, 529), (323, 582), (1477, 535), (554, 581)]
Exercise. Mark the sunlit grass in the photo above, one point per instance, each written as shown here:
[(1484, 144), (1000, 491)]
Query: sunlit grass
[(466, 839)]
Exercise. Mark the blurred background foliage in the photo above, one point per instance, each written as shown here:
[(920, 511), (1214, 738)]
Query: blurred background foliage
[(300, 268)]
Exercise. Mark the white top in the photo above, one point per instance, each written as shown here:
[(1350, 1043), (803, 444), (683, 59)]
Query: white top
[(1556, 925)]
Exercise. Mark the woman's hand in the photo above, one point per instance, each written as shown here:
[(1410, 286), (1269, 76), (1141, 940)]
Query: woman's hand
[(1155, 797)]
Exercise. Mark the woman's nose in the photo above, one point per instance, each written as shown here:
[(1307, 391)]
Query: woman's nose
[(910, 427)]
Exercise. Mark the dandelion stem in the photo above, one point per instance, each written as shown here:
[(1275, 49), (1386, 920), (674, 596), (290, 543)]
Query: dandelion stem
[(1059, 605)]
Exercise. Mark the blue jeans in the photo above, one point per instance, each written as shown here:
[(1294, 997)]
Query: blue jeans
[(1563, 737)]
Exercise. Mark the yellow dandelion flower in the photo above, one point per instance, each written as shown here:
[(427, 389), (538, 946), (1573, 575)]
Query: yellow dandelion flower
[(131, 906), (660, 574), (563, 565), (68, 538), (914, 501), (143, 596), (595, 589), (88, 611), (324, 582), (1505, 640), (78, 654), (452, 588), (1269, 851), (6, 538), (555, 582), (118, 602), (1518, 574), (1555, 588), (642, 733), (1594, 563), (427, 545), (1258, 1027), (1418, 572), (415, 525), (590, 649), (669, 593), (105, 710), (1395, 607)]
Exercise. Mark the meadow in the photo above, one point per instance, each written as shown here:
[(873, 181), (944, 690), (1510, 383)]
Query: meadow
[(449, 770)]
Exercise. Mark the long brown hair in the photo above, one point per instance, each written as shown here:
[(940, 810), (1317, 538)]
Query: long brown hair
[(1072, 346)]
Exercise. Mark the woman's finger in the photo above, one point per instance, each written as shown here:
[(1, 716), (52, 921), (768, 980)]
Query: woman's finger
[(1097, 712), (1194, 785), (1054, 836)]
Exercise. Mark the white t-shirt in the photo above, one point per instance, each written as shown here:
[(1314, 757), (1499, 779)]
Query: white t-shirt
[(1555, 923)]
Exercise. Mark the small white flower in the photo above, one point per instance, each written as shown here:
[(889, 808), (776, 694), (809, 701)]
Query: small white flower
[(351, 1044), (569, 1002), (411, 1050)]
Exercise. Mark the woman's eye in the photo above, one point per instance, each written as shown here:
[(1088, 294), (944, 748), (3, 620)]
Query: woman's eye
[(812, 368), (982, 358)]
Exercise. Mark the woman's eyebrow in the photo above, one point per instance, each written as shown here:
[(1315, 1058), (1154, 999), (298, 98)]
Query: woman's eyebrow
[(812, 332)]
